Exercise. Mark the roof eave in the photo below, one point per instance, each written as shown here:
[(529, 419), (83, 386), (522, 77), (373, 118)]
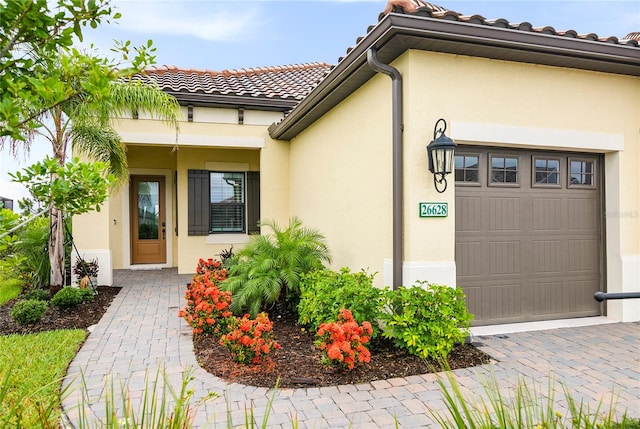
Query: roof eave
[(397, 33), (233, 101)]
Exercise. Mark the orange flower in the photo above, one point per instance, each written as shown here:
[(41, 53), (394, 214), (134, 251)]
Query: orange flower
[(334, 352)]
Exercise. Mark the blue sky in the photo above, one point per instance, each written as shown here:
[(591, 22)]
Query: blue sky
[(219, 35)]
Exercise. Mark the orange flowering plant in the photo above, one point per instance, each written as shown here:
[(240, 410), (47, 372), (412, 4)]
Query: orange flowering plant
[(343, 342), (210, 265), (251, 339), (207, 308)]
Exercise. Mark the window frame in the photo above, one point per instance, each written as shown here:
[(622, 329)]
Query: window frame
[(479, 170), (594, 179), (242, 230), (198, 201), (534, 183), (490, 182)]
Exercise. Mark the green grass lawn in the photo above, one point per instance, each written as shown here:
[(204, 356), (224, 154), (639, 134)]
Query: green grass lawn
[(31, 369), (9, 289)]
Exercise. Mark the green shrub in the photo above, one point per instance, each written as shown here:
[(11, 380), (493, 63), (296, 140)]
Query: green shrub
[(426, 319), (38, 294), (70, 297), (28, 311), (32, 245), (269, 267), (10, 260), (324, 292)]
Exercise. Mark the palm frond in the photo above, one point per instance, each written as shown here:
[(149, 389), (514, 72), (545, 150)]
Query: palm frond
[(272, 262), (101, 143), (129, 95)]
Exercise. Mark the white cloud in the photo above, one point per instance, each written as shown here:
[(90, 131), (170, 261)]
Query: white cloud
[(203, 20)]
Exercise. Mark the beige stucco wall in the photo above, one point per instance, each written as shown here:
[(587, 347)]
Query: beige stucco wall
[(341, 165), (340, 178)]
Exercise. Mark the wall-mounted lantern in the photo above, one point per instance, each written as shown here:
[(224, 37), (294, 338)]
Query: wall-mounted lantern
[(440, 155)]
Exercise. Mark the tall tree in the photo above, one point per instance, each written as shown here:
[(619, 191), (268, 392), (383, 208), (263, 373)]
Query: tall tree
[(72, 96), (32, 32)]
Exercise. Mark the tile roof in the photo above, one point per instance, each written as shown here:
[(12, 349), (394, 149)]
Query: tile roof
[(632, 36), (431, 10), (292, 82)]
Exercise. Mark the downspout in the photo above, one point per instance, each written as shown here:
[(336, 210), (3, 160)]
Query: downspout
[(396, 106)]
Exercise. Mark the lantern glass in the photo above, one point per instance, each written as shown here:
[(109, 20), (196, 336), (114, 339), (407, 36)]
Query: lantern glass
[(440, 155)]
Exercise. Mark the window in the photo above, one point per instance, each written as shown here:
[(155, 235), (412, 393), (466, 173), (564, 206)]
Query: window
[(467, 168), (223, 202), (546, 171), (582, 172), (227, 202), (504, 170)]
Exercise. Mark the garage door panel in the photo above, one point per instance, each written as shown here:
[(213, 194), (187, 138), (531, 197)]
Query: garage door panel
[(528, 252), (582, 292), (473, 294), (504, 214), (547, 298), (583, 214), (489, 302), (558, 298), (505, 301), (504, 257), (469, 219), (547, 256), (470, 259), (547, 214), (583, 255)]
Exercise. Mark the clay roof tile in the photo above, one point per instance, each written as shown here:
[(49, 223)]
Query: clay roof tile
[(285, 82)]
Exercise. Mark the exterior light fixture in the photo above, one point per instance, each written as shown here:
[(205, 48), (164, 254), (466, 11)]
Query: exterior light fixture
[(440, 156)]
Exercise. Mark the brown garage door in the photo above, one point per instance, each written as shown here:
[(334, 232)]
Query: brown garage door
[(528, 234)]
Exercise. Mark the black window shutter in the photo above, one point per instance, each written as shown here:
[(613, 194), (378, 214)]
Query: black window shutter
[(198, 202), (253, 202)]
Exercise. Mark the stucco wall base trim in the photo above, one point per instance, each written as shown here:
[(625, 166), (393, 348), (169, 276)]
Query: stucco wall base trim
[(438, 272), (626, 310), (105, 266)]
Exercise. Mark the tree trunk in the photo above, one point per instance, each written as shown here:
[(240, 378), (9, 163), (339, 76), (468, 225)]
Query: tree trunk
[(56, 216), (56, 249)]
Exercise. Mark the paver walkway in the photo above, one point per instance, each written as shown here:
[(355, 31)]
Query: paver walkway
[(141, 333)]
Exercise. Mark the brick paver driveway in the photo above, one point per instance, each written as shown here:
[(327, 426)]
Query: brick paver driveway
[(141, 333)]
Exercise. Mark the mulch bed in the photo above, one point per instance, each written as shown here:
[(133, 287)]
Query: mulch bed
[(80, 317), (297, 363)]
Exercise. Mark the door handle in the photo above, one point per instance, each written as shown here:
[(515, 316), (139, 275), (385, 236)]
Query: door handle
[(164, 230)]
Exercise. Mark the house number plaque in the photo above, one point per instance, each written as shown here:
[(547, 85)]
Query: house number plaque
[(434, 209)]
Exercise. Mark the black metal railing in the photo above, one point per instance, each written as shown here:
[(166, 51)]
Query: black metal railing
[(601, 296)]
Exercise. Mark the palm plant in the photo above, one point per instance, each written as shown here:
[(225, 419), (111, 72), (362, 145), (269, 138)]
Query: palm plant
[(84, 121), (269, 268)]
